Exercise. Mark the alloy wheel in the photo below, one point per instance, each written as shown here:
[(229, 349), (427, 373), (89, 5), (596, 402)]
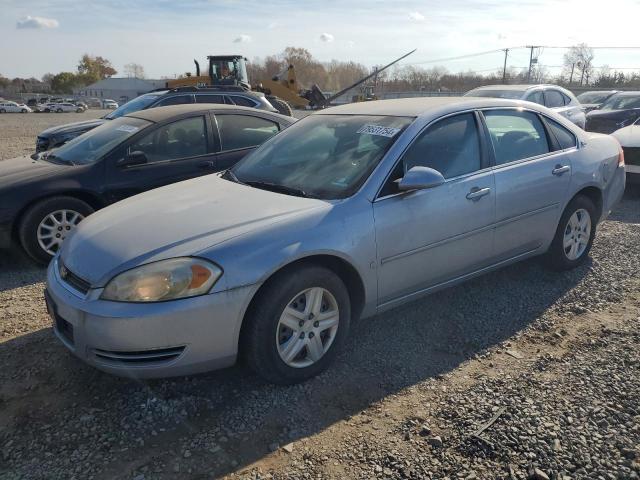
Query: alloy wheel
[(577, 234), (55, 227), (307, 327)]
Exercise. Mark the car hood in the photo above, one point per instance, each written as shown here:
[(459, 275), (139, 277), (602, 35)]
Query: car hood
[(21, 169), (72, 127), (628, 136), (177, 220)]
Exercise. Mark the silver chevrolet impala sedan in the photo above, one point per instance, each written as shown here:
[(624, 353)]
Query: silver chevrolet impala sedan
[(349, 212)]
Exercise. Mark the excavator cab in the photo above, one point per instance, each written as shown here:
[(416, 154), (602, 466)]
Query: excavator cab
[(228, 70)]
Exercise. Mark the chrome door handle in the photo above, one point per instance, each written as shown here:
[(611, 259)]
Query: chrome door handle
[(477, 193), (560, 169)]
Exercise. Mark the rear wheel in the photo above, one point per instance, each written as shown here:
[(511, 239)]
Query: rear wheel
[(574, 236), (23, 111), (79, 110), (297, 325), (2, 110), (283, 107), (46, 224), (59, 110)]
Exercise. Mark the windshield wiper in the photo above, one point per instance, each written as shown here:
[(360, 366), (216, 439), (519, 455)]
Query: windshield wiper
[(275, 187), (53, 156)]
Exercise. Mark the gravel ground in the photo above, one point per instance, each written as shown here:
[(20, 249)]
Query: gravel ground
[(18, 132), (547, 363)]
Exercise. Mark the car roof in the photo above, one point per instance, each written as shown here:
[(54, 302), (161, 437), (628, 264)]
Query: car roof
[(160, 114), (414, 107), (521, 86)]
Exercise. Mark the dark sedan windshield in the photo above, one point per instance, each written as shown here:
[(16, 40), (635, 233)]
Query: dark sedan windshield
[(138, 103), (322, 156), (593, 97), (621, 102), (495, 93), (91, 146)]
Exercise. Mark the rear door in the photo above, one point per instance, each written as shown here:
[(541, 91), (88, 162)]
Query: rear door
[(175, 151), (532, 175), (238, 134)]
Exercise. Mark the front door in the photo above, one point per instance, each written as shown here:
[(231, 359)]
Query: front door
[(175, 151), (428, 237)]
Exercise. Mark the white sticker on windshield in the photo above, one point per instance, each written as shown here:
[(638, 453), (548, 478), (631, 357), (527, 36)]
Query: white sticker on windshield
[(127, 128), (378, 130)]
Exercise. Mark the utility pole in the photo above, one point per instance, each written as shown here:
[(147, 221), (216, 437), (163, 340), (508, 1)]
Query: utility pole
[(530, 61), (504, 69)]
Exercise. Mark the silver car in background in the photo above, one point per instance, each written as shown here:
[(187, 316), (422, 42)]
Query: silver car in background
[(554, 97), (347, 213)]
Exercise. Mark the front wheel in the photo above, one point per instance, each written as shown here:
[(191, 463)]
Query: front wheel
[(46, 224), (59, 110), (574, 236), (297, 325)]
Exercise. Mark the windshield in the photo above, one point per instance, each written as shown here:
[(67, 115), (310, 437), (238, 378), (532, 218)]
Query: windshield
[(593, 97), (482, 92), (322, 156), (91, 146), (138, 103), (621, 102)]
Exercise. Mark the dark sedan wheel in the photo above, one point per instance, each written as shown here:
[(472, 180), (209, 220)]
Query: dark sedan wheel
[(297, 325), (46, 224), (574, 235)]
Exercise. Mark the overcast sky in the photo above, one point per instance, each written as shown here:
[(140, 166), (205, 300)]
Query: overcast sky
[(164, 36)]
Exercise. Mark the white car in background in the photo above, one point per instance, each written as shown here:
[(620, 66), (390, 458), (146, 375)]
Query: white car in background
[(13, 107), (110, 104), (65, 107), (629, 138), (556, 98)]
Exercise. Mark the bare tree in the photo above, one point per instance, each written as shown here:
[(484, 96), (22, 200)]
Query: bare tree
[(578, 63), (134, 70)]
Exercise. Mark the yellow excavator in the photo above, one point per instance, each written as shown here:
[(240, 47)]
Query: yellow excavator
[(229, 72)]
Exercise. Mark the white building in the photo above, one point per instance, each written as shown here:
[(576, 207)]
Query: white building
[(119, 89)]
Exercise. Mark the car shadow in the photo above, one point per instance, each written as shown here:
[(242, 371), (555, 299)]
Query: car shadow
[(18, 270), (228, 419)]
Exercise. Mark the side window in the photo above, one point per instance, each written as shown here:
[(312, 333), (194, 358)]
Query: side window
[(536, 97), (565, 138), (566, 98), (244, 131), (553, 98), (451, 146), (242, 101), (209, 98), (515, 135), (182, 139), (177, 100)]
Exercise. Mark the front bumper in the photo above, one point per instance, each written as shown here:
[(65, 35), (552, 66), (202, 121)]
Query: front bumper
[(162, 339)]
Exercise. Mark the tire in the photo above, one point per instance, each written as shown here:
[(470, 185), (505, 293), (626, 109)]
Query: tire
[(23, 111), (47, 110), (2, 110), (283, 107), (264, 337), (560, 257), (59, 110), (38, 213), (79, 110)]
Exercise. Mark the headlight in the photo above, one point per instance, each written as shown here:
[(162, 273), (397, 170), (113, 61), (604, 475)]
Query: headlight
[(163, 280)]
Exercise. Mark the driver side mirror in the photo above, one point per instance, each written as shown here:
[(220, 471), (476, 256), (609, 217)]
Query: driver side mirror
[(420, 178), (133, 158)]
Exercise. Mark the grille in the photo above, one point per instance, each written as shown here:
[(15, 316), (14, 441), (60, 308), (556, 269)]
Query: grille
[(42, 144), (64, 328), (631, 155), (73, 280), (145, 357)]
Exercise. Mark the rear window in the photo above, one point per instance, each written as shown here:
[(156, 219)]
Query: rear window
[(621, 102), (565, 138), (242, 101), (553, 99), (496, 93)]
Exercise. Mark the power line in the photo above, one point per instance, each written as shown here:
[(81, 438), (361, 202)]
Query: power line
[(460, 57)]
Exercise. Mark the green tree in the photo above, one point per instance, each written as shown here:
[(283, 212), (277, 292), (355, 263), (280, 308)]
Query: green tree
[(91, 69), (64, 82)]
